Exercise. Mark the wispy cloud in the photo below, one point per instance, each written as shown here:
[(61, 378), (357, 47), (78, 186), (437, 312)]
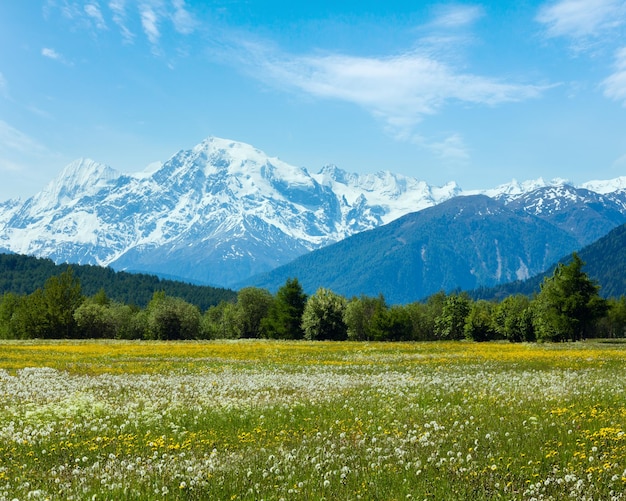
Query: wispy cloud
[(118, 8), (14, 140), (54, 55), (452, 148), (615, 85), (456, 16), (150, 23), (93, 12), (183, 20), (400, 90), (50, 53), (85, 14), (591, 25), (582, 20), (153, 15)]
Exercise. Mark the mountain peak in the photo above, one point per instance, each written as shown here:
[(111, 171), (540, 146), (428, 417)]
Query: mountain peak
[(233, 150), (79, 178), (608, 186)]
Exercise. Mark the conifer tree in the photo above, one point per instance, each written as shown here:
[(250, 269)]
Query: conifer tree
[(284, 318), (568, 304)]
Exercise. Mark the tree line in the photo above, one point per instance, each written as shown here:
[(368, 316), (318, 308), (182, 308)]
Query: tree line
[(24, 274), (568, 307)]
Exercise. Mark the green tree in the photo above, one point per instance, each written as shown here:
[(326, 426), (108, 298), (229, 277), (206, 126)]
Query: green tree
[(62, 296), (221, 321), (172, 318), (9, 303), (323, 316), (615, 322), (253, 306), (129, 321), (450, 324), (568, 304), (359, 315), (392, 324), (284, 318), (101, 298), (479, 325), (30, 319), (94, 320), (513, 319)]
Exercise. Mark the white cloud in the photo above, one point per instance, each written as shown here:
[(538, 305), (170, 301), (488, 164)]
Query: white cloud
[(118, 7), (456, 16), (85, 14), (51, 53), (93, 12), (615, 85), (400, 90), (54, 55), (580, 19), (150, 23), (91, 15), (183, 21)]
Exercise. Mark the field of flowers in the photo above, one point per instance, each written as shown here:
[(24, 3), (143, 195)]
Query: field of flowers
[(295, 420)]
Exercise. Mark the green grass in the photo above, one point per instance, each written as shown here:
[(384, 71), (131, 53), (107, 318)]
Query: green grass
[(270, 420)]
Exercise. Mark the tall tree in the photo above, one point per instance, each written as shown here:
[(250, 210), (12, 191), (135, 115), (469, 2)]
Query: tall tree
[(450, 324), (172, 318), (568, 304), (479, 325), (323, 316), (253, 305), (62, 295), (284, 318), (392, 324), (513, 319), (359, 315)]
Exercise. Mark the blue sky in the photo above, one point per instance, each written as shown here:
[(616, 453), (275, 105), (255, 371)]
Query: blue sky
[(479, 93)]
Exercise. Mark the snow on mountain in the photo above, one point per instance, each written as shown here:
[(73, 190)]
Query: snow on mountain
[(219, 202), (514, 189), (604, 187), (82, 177), (395, 194), (217, 213)]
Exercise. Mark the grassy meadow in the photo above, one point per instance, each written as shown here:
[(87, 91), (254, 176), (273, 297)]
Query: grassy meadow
[(276, 420)]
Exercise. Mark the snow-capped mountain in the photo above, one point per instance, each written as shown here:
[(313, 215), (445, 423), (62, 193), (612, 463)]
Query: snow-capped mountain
[(224, 211), (217, 213)]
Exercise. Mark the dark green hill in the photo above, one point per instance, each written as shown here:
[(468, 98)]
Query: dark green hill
[(23, 274), (605, 262)]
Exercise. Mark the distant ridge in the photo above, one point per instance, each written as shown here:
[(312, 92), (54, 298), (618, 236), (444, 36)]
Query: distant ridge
[(605, 262), (458, 244)]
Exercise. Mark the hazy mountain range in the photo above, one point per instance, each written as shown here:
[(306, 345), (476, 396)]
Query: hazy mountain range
[(226, 214)]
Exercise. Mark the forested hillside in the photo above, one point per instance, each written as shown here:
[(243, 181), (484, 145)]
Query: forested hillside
[(24, 274), (605, 263), (456, 245)]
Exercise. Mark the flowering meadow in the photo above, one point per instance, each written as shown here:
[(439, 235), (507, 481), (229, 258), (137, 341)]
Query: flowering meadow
[(276, 420)]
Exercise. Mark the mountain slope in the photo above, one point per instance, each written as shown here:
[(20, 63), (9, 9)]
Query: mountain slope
[(461, 243), (23, 274), (605, 262), (584, 214)]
